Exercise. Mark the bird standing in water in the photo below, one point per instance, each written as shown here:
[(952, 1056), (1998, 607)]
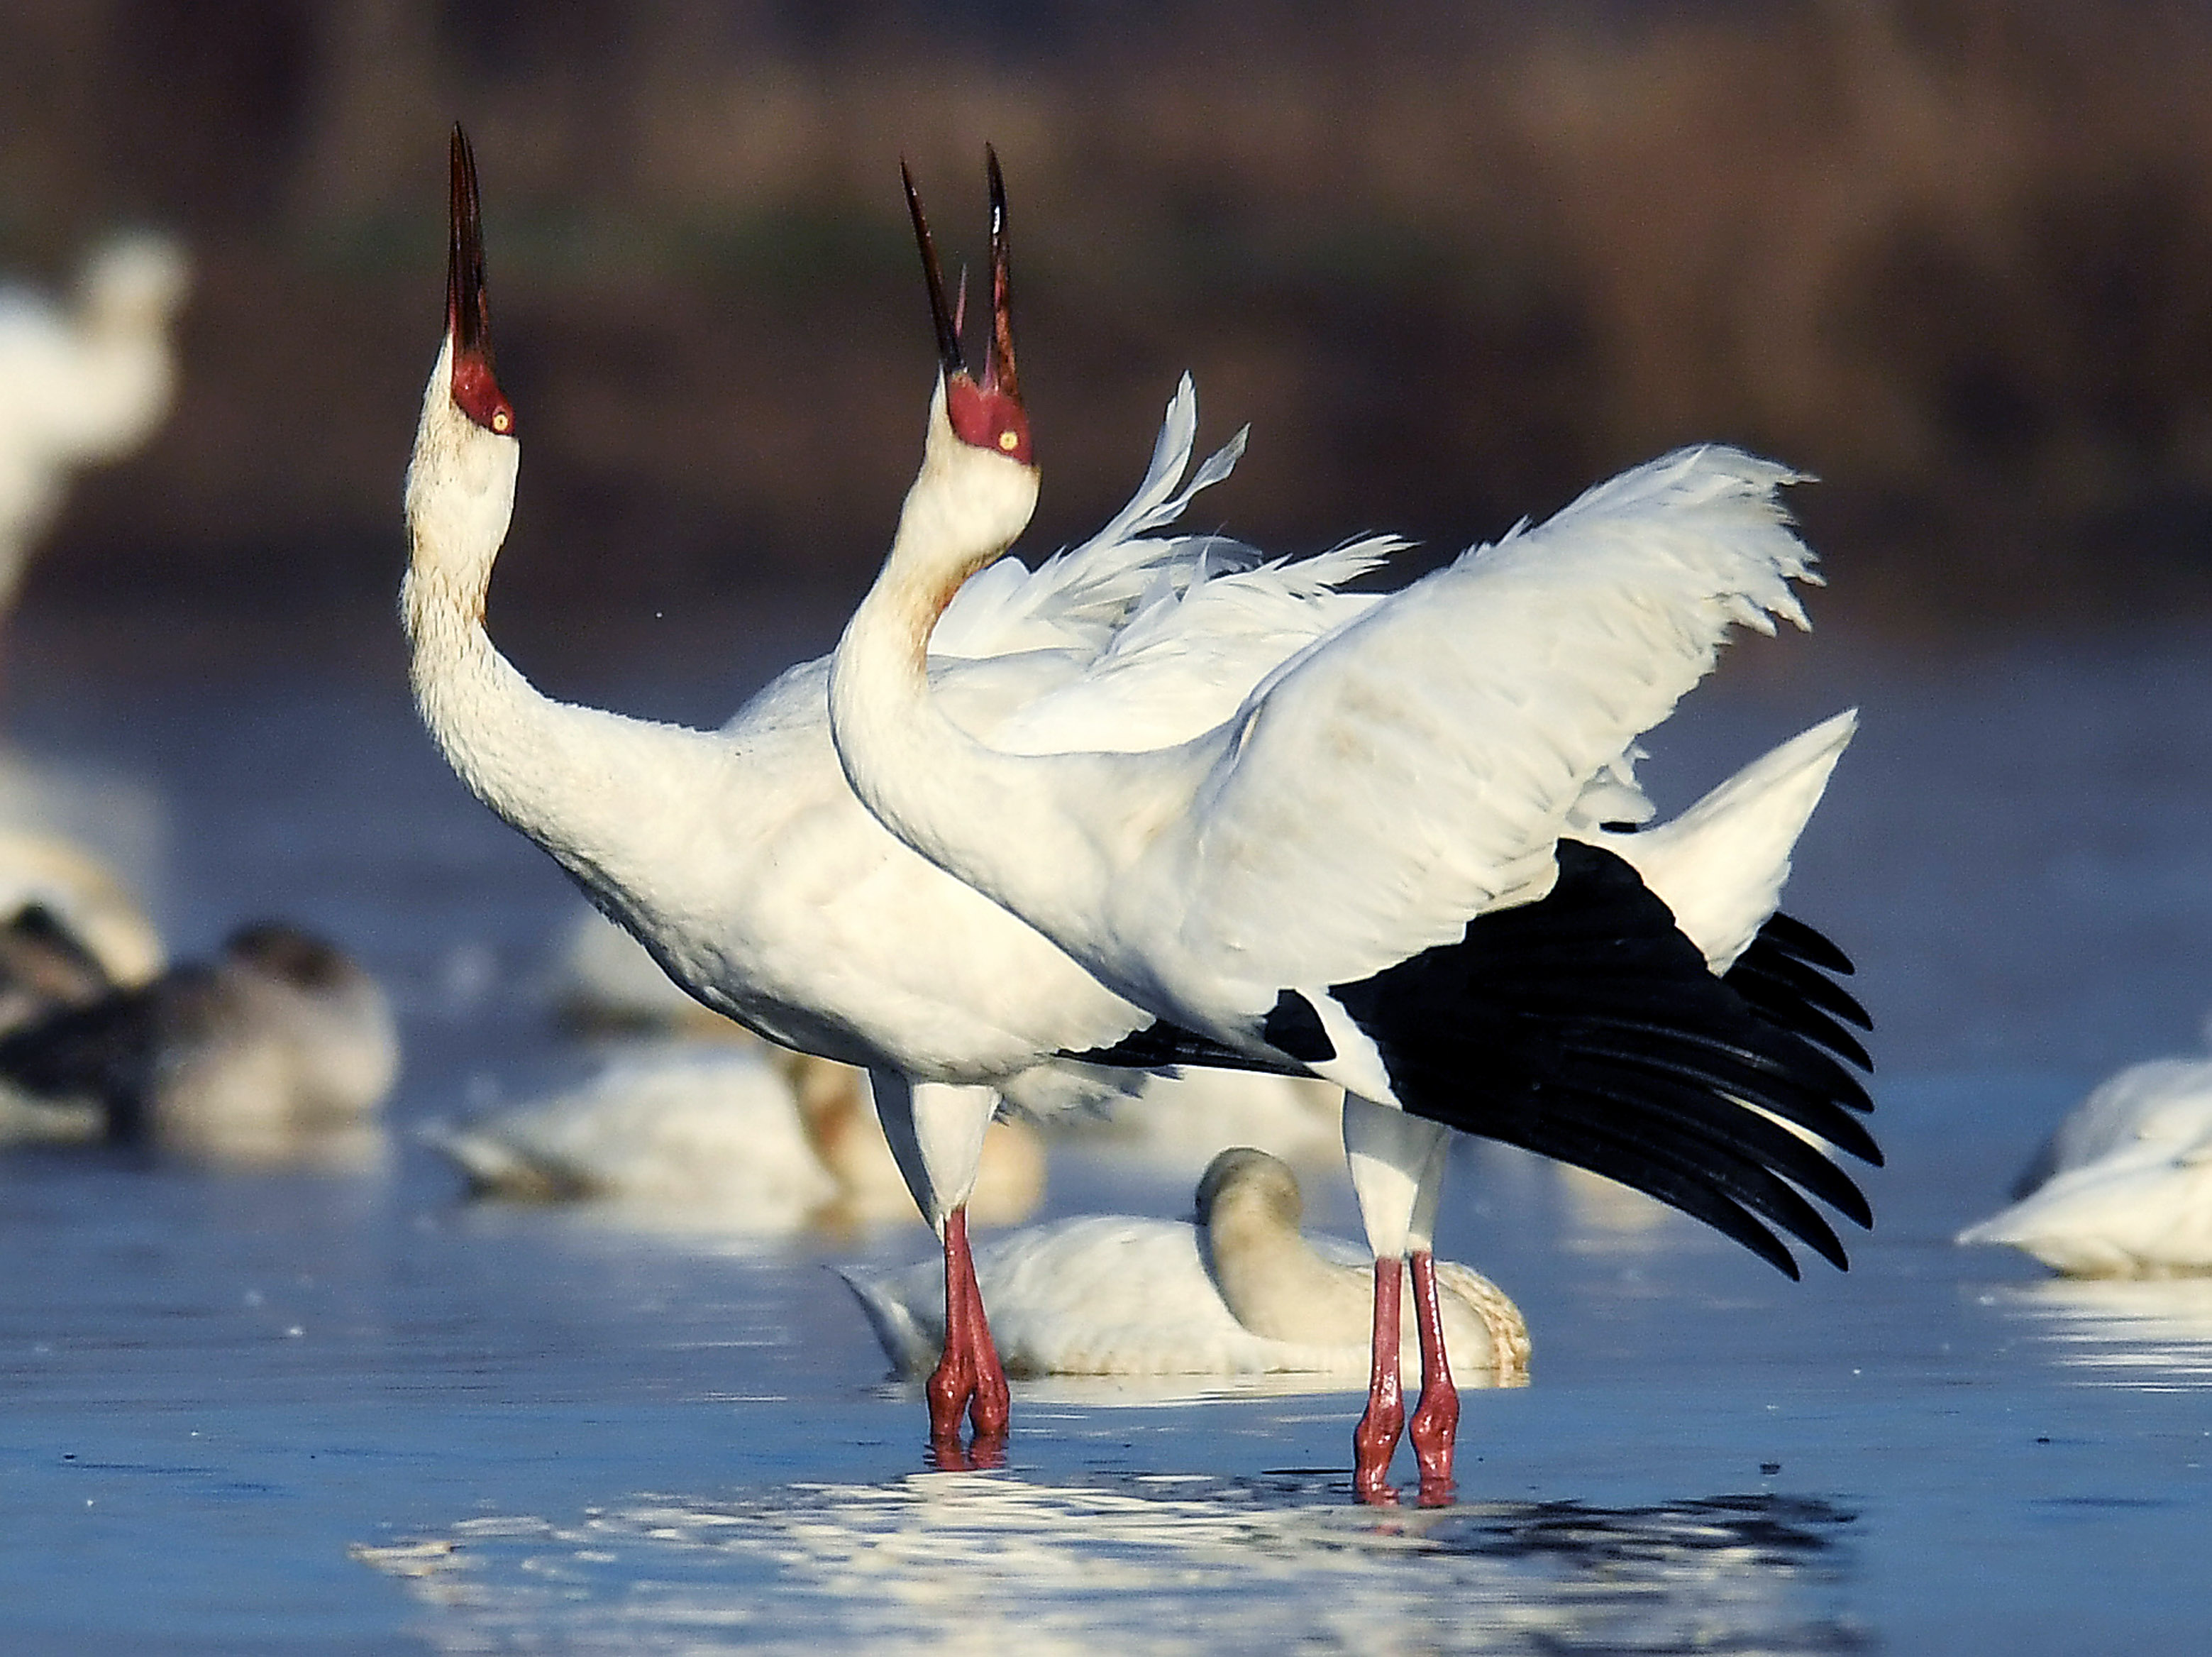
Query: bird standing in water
[(739, 857), (1389, 866)]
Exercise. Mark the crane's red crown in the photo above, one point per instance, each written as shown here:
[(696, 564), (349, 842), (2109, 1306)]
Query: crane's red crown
[(985, 414), (468, 319)]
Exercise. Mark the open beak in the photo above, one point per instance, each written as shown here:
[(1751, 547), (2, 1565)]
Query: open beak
[(466, 315), (468, 319), (998, 366), (948, 329), (999, 372)]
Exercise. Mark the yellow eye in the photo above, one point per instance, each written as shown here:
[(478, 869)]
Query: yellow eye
[(500, 421), (1010, 440)]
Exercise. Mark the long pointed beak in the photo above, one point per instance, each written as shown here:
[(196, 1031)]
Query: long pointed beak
[(466, 312), (999, 375), (468, 319), (948, 329)]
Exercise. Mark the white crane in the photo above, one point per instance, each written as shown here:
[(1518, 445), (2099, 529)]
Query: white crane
[(1239, 1290), (740, 858), (1382, 868), (77, 389)]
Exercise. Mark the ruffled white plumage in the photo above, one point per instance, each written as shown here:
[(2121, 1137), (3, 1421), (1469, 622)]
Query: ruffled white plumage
[(1083, 595), (1418, 767), (1721, 865)]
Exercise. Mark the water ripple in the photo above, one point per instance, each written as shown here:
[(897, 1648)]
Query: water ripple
[(986, 1562)]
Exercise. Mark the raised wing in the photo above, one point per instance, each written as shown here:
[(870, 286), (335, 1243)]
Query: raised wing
[(1416, 770)]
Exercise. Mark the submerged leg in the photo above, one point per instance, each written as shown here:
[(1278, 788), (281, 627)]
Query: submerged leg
[(968, 1378), (1375, 1441)]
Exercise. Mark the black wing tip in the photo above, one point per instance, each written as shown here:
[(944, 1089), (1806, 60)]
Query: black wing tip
[(1587, 1027), (1807, 944), (1160, 1044)]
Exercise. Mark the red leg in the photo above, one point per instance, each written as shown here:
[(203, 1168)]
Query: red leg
[(992, 1402), (1375, 1441), (952, 1382), (1434, 1428)]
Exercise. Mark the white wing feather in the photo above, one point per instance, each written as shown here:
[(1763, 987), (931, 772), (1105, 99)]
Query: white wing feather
[(1416, 770), (1079, 596), (1185, 662)]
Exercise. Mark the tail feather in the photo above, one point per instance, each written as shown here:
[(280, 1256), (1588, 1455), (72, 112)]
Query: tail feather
[(1588, 1027), (1721, 865)]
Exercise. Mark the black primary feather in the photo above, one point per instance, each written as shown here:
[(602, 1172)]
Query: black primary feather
[(1585, 1027), (1161, 1044)]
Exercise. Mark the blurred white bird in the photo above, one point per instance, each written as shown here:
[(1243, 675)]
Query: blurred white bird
[(1389, 866), (2123, 1187), (1242, 1291), (45, 968), (81, 385), (85, 897), (740, 857), (263, 1055), (736, 1137)]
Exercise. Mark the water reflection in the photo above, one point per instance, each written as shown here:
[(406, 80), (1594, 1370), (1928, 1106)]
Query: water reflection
[(987, 1562), (2151, 1333)]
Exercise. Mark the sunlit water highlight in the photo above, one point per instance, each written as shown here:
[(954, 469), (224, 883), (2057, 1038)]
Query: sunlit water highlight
[(982, 1562)]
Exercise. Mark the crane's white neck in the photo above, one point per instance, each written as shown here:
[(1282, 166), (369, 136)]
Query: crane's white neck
[(985, 817), (1270, 1277), (460, 498), (593, 788)]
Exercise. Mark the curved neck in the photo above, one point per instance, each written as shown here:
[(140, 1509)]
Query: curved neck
[(591, 788), (1272, 1280), (997, 821)]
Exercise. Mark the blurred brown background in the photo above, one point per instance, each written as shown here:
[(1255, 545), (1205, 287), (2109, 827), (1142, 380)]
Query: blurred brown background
[(1451, 261)]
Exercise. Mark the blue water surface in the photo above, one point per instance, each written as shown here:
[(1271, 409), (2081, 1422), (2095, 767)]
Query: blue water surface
[(302, 1412)]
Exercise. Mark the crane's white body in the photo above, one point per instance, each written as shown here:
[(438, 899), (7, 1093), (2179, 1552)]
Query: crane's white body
[(1412, 769), (742, 861), (1243, 1292), (2126, 1186), (77, 387)]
